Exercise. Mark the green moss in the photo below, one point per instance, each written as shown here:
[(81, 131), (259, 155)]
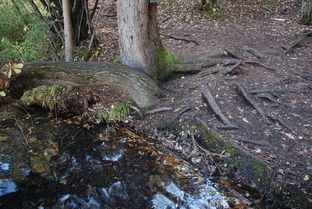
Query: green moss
[(44, 96), (166, 63), (117, 112)]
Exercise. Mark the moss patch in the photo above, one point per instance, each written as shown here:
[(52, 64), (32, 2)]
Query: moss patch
[(252, 169), (45, 96), (166, 63), (116, 112)]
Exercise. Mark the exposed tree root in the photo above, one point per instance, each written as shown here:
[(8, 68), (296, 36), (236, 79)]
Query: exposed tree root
[(179, 38), (141, 88), (260, 143), (260, 110), (215, 108), (160, 109), (297, 42), (303, 75)]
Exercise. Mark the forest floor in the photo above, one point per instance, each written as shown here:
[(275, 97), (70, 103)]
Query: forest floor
[(285, 81)]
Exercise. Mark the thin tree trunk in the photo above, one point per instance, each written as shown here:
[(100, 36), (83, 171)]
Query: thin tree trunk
[(306, 12), (68, 31), (139, 36)]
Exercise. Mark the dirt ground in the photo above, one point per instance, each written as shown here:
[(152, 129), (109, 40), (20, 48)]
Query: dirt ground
[(269, 28)]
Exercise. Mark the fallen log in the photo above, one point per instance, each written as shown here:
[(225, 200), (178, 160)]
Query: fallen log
[(141, 88)]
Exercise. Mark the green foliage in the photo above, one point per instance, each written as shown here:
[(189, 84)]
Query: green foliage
[(23, 36), (167, 62), (119, 111)]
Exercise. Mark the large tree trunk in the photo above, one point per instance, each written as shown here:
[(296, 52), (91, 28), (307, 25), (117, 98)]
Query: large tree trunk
[(139, 38), (68, 31), (306, 12), (141, 88)]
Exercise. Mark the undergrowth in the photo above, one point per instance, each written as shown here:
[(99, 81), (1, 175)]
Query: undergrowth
[(23, 35)]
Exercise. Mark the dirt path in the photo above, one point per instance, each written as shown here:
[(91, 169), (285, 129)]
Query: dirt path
[(288, 147)]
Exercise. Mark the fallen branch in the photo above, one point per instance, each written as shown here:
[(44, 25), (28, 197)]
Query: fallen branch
[(179, 38), (259, 109), (298, 42), (215, 107), (160, 109)]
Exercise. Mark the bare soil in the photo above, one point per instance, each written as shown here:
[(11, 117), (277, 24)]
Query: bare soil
[(250, 24)]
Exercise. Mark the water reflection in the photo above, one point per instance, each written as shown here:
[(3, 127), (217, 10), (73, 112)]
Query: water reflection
[(75, 167)]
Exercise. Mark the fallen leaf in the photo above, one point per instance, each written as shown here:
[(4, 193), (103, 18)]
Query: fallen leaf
[(306, 178)]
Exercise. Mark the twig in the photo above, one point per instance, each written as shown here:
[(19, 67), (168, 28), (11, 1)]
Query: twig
[(181, 38), (160, 109), (215, 107), (298, 42), (260, 143)]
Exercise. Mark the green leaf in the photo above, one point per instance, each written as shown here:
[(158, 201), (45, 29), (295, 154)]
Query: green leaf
[(2, 94)]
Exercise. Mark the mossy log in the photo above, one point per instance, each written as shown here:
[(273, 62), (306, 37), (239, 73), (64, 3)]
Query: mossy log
[(141, 88)]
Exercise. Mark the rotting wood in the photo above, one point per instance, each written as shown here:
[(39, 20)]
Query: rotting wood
[(274, 118), (215, 107), (159, 109), (260, 143), (298, 42), (179, 38)]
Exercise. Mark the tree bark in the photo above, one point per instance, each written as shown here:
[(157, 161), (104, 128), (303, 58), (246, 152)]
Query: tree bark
[(306, 12), (140, 87), (139, 36), (68, 30)]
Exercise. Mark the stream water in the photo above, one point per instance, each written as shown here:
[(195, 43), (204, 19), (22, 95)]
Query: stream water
[(48, 162)]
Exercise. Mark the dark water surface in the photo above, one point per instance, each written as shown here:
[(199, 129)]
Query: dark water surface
[(68, 163)]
